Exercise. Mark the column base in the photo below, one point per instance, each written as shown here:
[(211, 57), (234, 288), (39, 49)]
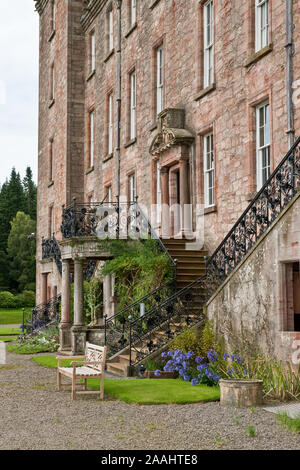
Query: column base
[(95, 335), (64, 337), (78, 339)]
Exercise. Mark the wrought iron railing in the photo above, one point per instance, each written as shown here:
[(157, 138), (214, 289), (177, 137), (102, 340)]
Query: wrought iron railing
[(118, 220), (153, 331), (42, 315), (117, 327), (51, 249), (269, 202)]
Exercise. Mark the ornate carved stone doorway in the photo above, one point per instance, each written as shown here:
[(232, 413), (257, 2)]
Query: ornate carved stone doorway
[(171, 153)]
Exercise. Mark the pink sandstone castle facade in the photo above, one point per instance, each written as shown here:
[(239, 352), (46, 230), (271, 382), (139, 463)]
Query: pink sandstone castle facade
[(172, 101)]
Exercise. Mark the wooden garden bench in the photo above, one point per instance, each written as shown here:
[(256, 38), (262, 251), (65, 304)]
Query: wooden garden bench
[(92, 367)]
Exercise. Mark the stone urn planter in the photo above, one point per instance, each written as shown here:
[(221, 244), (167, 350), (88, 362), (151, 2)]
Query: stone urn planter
[(241, 392), (149, 374)]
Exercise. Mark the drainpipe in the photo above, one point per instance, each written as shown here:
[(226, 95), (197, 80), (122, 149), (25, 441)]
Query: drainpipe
[(118, 4), (289, 72)]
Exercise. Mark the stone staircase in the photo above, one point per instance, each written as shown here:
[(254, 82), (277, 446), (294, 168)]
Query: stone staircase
[(190, 266)]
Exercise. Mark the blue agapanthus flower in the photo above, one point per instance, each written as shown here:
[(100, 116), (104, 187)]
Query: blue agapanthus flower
[(212, 355), (186, 378), (157, 373), (199, 359), (194, 382)]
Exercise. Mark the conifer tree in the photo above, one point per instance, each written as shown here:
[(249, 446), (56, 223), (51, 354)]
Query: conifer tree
[(30, 194)]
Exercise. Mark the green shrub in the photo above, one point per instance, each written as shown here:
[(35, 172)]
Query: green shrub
[(45, 340), (26, 298), (8, 300), (197, 340), (138, 268)]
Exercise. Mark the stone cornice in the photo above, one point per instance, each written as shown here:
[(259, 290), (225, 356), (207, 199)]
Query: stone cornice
[(40, 5), (170, 138), (172, 131), (91, 9)]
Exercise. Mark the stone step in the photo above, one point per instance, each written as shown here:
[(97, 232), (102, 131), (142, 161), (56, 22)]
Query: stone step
[(116, 368)]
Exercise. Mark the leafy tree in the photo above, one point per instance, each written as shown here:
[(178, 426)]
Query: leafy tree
[(15, 196), (21, 252)]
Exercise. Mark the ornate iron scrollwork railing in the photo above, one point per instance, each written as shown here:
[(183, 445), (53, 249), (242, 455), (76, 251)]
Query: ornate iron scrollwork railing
[(152, 331), (117, 327), (118, 220), (159, 325), (43, 314), (51, 249), (269, 202)]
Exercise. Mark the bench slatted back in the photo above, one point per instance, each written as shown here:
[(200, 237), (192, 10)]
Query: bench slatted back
[(95, 353)]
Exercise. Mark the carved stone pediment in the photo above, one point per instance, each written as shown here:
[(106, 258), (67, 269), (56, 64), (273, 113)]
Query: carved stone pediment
[(172, 132)]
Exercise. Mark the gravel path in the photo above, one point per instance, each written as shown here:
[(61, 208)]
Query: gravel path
[(35, 416)]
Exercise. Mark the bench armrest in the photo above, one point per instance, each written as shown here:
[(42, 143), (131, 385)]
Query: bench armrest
[(70, 357), (74, 363)]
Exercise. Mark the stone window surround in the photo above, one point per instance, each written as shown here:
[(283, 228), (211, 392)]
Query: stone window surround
[(285, 273), (51, 161), (207, 129), (107, 155), (130, 173), (89, 167), (254, 56), (130, 141), (107, 187), (91, 70), (109, 50), (131, 25), (160, 42), (201, 91), (250, 167)]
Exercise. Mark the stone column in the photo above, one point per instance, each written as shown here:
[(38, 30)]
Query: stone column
[(79, 328), (184, 195), (65, 324), (44, 287), (165, 199), (107, 295)]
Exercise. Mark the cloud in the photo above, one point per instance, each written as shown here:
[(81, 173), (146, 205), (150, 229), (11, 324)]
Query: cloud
[(19, 49)]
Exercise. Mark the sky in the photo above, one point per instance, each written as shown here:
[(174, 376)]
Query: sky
[(19, 49)]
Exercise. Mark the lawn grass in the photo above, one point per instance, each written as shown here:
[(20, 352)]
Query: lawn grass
[(145, 391), (11, 316), (8, 339), (10, 331), (293, 424), (26, 348)]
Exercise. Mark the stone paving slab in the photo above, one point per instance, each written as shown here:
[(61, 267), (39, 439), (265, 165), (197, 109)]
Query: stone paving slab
[(291, 409)]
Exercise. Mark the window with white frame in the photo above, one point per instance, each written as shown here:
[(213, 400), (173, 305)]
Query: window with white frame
[(158, 194), (263, 163), (208, 42), (209, 170), (261, 24), (92, 138), (110, 123), (93, 51), (132, 105), (110, 29), (131, 183), (159, 79), (132, 12)]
